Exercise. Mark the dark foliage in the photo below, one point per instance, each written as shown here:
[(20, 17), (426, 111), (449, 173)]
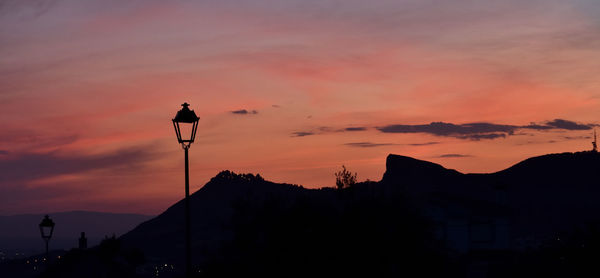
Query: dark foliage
[(109, 259), (360, 233), (573, 255), (344, 178)]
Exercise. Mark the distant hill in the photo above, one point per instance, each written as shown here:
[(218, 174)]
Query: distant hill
[(537, 199), (21, 232)]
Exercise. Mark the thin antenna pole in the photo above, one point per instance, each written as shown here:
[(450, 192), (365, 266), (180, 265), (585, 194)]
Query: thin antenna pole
[(595, 143)]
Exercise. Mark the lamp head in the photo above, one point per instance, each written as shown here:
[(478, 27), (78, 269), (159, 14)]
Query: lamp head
[(186, 125), (46, 227)]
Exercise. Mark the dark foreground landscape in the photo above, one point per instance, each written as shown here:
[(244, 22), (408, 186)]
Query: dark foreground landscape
[(538, 218)]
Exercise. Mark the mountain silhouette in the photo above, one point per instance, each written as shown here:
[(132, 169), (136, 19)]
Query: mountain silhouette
[(542, 196), (213, 207), (241, 221)]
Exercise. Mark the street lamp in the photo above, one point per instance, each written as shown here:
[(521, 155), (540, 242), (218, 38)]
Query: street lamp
[(186, 124), (46, 229)]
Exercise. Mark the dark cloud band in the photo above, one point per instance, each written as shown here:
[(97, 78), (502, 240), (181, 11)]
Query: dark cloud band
[(453, 155), (244, 112), (481, 131), (302, 133), (367, 144)]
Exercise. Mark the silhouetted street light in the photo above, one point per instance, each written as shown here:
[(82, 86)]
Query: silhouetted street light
[(46, 229), (186, 124)]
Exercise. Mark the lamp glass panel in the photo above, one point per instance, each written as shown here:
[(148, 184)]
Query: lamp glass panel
[(186, 131), (46, 231)]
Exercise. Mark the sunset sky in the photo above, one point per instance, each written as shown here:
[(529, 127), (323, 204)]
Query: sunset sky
[(288, 89)]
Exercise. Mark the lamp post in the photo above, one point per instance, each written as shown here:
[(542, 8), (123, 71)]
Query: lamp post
[(46, 229), (186, 124)]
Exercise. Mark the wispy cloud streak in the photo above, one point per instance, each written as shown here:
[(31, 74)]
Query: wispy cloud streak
[(368, 144)]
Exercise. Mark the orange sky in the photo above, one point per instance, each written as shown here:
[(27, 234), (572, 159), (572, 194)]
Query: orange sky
[(88, 90)]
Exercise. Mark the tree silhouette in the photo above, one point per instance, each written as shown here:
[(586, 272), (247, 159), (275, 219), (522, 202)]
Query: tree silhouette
[(344, 178)]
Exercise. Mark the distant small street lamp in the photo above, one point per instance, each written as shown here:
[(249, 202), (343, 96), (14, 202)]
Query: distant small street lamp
[(186, 124), (46, 229)]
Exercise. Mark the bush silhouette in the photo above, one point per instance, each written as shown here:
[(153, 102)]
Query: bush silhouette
[(344, 178)]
